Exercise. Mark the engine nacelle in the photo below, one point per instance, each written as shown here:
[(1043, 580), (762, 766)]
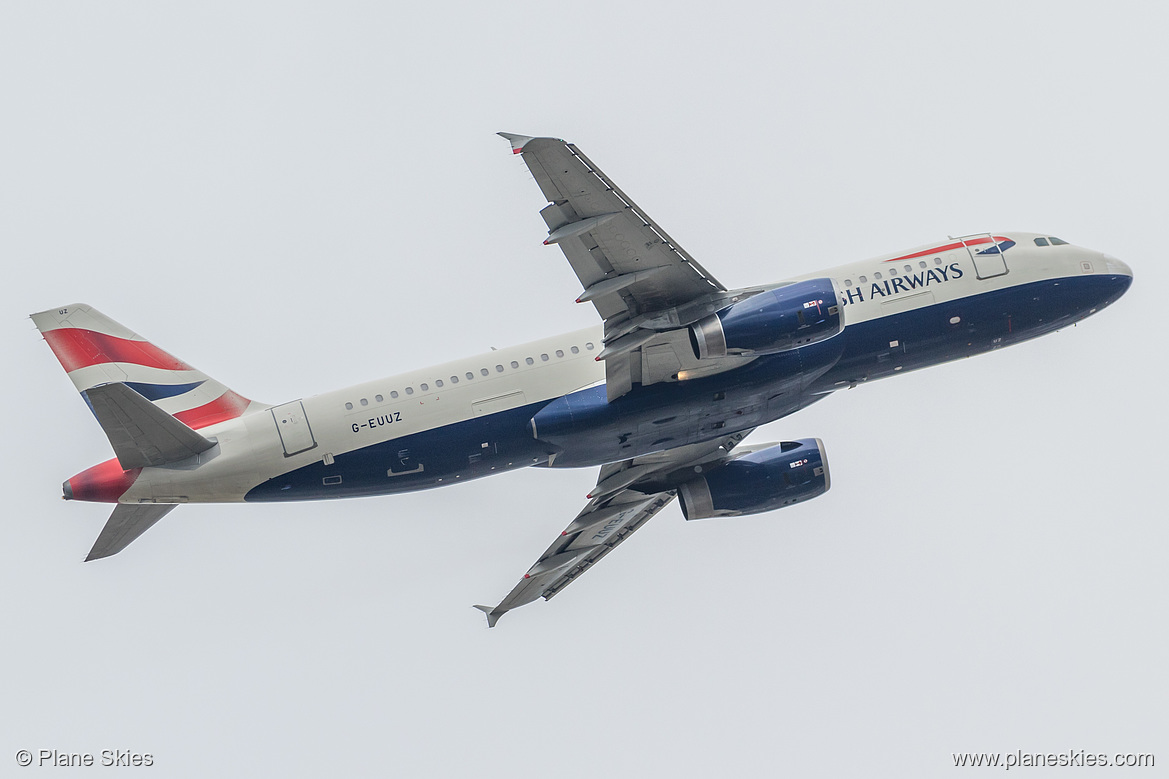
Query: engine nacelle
[(768, 479), (773, 321)]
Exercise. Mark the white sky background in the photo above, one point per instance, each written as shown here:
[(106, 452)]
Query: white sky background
[(296, 198)]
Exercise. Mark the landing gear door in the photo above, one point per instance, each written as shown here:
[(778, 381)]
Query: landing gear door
[(987, 253), (293, 427)]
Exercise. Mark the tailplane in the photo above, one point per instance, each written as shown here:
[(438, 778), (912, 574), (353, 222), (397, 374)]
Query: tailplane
[(124, 525), (141, 433)]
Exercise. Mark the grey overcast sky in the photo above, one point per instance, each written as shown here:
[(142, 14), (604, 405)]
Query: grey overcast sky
[(295, 197)]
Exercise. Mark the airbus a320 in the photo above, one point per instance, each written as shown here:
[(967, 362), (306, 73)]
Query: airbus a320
[(660, 396)]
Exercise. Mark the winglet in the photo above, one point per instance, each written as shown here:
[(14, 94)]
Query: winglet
[(492, 615), (517, 143)]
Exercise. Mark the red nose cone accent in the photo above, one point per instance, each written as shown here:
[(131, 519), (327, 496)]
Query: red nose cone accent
[(103, 483)]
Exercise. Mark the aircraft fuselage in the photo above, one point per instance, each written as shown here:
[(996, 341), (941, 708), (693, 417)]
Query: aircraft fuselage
[(544, 403)]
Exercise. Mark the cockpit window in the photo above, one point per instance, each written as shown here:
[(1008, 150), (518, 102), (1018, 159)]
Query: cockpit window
[(1057, 242), (1041, 242)]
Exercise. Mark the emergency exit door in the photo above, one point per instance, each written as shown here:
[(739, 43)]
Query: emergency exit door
[(292, 424)]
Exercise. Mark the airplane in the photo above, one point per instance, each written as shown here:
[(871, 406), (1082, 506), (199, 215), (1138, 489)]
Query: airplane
[(659, 397)]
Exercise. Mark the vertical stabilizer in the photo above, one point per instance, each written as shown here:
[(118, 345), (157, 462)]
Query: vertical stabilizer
[(95, 350)]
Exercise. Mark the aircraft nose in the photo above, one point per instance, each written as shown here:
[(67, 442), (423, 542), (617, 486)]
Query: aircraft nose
[(1114, 265), (1116, 279)]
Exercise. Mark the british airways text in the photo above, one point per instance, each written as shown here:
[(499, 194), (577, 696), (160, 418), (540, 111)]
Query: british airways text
[(904, 283)]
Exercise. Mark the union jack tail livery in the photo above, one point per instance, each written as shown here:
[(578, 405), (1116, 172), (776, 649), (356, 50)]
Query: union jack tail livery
[(148, 402), (95, 350)]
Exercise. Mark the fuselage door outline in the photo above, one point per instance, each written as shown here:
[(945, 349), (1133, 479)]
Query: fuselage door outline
[(989, 259), (293, 428)]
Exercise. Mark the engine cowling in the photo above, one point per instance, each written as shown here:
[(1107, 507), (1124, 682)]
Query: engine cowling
[(768, 479), (773, 321)]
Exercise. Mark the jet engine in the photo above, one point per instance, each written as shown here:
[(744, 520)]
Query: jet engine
[(773, 321), (758, 481)]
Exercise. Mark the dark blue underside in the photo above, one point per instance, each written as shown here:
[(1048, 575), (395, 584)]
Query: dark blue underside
[(583, 429)]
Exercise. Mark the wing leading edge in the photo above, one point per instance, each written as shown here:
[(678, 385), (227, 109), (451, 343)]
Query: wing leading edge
[(627, 495)]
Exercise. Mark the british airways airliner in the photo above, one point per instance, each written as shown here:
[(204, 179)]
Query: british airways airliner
[(659, 397)]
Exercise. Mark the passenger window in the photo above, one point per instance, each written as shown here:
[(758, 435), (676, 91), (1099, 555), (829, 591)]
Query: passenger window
[(909, 268), (576, 350), (892, 271), (364, 402), (515, 364), (544, 358), (877, 275), (529, 361), (454, 379), (378, 398), (1041, 242), (393, 393), (470, 375), (921, 264), (409, 390), (848, 282), (348, 406), (589, 346), (864, 279), (937, 260), (438, 382), (484, 371), (559, 352), (499, 369), (424, 387), (1058, 242)]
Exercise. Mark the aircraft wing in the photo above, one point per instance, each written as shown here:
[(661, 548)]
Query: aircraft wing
[(640, 280), (627, 495)]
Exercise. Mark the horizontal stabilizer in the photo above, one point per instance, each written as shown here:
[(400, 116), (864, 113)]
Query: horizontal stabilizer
[(126, 523), (141, 433)]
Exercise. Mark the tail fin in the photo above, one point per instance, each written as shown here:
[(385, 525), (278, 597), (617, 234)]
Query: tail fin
[(95, 350)]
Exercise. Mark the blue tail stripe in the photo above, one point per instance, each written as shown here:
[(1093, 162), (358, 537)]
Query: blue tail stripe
[(159, 391)]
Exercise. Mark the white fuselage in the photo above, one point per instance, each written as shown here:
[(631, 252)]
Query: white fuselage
[(250, 449)]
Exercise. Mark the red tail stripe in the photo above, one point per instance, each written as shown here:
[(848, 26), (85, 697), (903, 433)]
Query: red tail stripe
[(103, 483), (229, 405), (78, 348)]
